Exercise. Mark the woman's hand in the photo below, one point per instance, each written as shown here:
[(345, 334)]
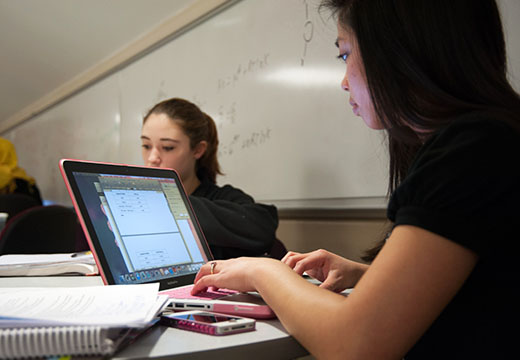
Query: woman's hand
[(237, 274), (335, 272)]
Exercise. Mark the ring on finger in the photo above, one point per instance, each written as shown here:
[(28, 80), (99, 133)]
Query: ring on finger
[(212, 268)]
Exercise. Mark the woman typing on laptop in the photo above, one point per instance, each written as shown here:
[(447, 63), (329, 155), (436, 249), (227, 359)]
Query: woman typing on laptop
[(176, 134), (432, 75)]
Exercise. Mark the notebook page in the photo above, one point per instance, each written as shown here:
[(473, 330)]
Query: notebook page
[(110, 306)]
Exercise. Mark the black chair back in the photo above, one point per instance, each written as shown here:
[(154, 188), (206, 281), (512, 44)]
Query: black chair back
[(15, 203), (43, 230)]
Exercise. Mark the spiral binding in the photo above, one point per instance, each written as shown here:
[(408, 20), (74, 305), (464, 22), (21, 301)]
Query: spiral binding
[(54, 341)]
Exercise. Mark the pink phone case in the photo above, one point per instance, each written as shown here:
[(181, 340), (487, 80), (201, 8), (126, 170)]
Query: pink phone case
[(191, 325)]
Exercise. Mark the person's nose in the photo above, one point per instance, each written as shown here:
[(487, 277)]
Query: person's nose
[(154, 158), (344, 83)]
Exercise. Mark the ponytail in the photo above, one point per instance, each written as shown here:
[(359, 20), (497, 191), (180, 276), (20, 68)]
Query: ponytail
[(208, 166)]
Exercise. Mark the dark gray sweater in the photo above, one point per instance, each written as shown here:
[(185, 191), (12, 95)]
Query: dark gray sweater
[(233, 224)]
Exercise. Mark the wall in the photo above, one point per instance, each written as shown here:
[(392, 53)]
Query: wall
[(346, 237), (273, 87), (270, 80)]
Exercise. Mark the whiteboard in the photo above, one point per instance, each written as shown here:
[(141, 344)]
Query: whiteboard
[(266, 72), (85, 126)]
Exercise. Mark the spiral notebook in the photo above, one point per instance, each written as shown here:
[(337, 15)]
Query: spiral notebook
[(17, 343), (95, 320)]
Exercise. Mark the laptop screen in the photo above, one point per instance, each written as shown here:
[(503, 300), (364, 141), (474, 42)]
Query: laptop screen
[(141, 226)]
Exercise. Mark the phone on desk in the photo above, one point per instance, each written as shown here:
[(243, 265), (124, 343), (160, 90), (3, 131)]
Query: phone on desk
[(208, 323)]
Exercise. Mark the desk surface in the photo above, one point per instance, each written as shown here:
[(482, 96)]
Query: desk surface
[(268, 341)]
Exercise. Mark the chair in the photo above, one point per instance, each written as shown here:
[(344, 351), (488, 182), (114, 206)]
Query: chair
[(277, 251), (43, 230), (15, 203)]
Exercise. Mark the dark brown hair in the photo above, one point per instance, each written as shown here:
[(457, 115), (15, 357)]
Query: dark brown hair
[(198, 126), (426, 63)]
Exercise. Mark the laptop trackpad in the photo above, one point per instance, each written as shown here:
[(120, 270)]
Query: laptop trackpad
[(252, 297)]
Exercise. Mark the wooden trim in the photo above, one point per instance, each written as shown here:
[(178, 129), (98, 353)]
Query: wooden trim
[(197, 11)]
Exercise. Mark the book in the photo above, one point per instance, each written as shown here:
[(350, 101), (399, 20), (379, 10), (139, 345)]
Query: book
[(48, 264), (96, 320)]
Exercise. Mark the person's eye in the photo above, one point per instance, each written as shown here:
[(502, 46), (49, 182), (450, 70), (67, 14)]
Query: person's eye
[(168, 148), (343, 57), (146, 146)]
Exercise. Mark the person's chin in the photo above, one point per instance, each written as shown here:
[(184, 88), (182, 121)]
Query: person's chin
[(371, 123)]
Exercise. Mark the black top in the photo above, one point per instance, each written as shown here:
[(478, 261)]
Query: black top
[(464, 185), (234, 225), (23, 187)]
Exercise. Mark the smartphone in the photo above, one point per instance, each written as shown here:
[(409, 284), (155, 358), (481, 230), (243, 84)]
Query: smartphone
[(208, 323)]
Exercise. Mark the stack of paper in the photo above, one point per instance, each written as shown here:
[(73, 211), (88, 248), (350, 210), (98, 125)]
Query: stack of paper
[(109, 306), (75, 321), (48, 264)]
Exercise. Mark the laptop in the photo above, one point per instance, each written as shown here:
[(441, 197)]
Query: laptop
[(141, 228)]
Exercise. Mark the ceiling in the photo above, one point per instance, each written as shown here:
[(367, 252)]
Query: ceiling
[(45, 43)]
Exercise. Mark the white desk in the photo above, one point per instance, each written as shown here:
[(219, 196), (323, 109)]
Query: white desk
[(268, 341)]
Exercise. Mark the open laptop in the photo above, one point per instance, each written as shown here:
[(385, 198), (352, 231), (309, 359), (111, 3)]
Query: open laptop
[(141, 228)]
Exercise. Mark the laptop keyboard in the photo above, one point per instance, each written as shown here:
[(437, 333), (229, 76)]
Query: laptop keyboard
[(184, 293)]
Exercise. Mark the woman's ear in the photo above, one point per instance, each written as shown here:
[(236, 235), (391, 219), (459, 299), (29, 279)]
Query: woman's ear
[(200, 149)]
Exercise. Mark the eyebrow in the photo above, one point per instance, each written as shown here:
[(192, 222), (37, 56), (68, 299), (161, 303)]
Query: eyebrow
[(336, 43), (143, 137)]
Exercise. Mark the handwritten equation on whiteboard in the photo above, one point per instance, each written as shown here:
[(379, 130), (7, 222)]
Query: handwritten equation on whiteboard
[(243, 70), (242, 142), (232, 136), (228, 120), (308, 32)]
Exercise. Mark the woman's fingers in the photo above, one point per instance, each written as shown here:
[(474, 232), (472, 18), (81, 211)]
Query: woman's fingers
[(290, 257), (204, 283), (205, 270)]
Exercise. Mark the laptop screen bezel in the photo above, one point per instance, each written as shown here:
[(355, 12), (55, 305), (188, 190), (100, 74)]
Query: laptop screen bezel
[(69, 167)]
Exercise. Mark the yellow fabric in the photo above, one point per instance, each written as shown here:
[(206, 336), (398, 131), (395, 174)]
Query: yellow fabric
[(9, 169)]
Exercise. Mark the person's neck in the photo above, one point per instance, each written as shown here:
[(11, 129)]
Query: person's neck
[(191, 184)]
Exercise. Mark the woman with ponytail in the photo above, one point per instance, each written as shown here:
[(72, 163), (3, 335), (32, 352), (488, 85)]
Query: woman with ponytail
[(177, 134)]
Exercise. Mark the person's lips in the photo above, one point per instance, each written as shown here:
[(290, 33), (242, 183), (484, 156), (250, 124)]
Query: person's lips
[(355, 107)]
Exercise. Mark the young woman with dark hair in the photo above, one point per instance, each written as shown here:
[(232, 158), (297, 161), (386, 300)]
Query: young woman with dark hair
[(432, 75), (177, 134)]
